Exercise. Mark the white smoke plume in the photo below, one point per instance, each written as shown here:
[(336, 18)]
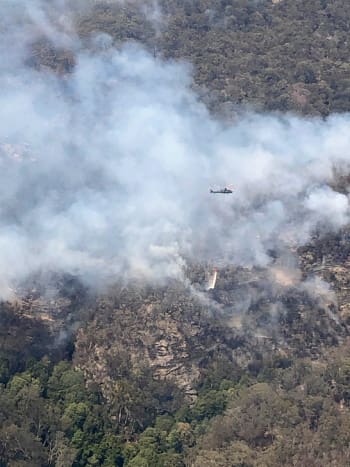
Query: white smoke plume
[(106, 171)]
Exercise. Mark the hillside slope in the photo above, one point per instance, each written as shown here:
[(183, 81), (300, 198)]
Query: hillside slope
[(269, 55), (254, 372)]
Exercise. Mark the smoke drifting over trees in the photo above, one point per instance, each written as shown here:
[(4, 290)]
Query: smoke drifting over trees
[(114, 161), (232, 348)]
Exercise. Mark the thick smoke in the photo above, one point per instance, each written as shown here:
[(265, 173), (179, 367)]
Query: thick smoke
[(106, 171)]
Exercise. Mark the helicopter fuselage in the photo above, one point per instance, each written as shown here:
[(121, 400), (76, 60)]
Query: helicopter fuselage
[(225, 191)]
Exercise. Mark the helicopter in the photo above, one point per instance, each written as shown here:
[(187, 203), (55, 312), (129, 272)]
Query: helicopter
[(222, 190)]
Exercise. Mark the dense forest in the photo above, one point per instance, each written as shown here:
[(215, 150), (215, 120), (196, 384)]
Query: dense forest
[(268, 55), (176, 375)]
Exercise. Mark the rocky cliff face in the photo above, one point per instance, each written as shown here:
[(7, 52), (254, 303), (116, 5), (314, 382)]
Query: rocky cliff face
[(165, 329), (180, 332), (329, 259)]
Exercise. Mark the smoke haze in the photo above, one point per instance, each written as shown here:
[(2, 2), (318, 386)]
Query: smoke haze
[(106, 171)]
